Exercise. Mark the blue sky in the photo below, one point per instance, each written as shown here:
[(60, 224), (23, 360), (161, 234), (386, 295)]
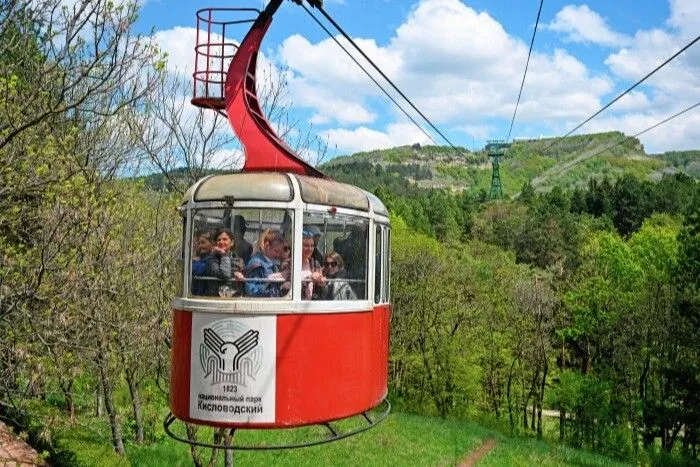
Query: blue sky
[(462, 62)]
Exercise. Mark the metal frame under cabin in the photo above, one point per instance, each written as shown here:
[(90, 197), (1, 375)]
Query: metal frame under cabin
[(237, 193)]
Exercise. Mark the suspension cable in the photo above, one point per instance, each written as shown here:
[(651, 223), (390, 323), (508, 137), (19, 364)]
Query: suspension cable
[(368, 73), (349, 39), (666, 62), (527, 63)]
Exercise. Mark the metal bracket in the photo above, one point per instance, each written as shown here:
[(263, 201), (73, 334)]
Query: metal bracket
[(334, 433)]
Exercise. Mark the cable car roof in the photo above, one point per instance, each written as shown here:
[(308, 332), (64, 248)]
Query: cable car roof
[(274, 186)]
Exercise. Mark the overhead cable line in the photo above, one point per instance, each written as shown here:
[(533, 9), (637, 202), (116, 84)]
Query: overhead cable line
[(666, 62), (522, 83), (627, 138), (349, 39), (368, 73)]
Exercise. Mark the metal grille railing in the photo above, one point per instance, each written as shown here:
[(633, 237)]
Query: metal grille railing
[(214, 50)]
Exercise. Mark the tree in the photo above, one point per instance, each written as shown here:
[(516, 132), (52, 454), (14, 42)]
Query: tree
[(69, 73), (631, 204)]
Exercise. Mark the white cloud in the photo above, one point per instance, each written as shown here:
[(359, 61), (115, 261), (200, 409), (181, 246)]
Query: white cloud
[(329, 106), (366, 139), (581, 24), (685, 16), (480, 132), (456, 64), (634, 100), (178, 43)]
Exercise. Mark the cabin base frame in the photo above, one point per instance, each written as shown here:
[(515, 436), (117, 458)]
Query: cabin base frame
[(371, 418)]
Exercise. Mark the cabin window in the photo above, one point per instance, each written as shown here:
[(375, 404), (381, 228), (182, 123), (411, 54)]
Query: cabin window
[(338, 253), (378, 264), (387, 274), (241, 253)]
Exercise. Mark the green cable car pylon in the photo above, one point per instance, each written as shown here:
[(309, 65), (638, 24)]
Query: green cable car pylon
[(496, 148)]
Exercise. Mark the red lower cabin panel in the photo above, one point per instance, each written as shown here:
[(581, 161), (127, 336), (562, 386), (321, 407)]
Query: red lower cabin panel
[(328, 366)]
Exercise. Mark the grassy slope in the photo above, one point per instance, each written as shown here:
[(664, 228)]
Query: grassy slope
[(402, 439)]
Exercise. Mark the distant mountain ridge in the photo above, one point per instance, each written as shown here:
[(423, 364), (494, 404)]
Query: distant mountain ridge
[(569, 163), (544, 162)]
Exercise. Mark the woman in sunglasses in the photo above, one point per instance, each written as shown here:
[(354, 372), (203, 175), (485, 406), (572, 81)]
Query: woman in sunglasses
[(337, 287)]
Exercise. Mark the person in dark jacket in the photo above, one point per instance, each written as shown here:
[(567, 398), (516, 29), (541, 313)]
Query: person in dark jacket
[(224, 265), (265, 266), (353, 250), (243, 248), (336, 288), (205, 244)]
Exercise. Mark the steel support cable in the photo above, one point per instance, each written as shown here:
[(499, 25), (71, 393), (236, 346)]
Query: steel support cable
[(657, 124), (666, 62), (368, 73), (349, 39), (527, 63)]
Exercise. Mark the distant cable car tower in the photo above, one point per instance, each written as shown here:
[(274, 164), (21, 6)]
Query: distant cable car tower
[(274, 336), (495, 149)]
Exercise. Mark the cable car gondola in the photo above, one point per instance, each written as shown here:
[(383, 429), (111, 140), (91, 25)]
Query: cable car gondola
[(284, 343)]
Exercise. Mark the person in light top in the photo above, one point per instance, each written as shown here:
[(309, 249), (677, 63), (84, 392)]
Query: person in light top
[(312, 279)]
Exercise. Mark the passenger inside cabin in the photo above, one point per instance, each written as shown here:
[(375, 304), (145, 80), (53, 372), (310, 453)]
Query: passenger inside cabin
[(317, 236), (203, 250), (353, 249), (244, 249), (264, 265), (286, 261), (312, 279), (225, 267), (337, 287)]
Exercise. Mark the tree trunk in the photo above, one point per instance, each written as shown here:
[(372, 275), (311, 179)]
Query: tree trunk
[(228, 457), (67, 390), (541, 400), (510, 402), (562, 409), (99, 401), (218, 438), (562, 424), (117, 441), (192, 437), (136, 405)]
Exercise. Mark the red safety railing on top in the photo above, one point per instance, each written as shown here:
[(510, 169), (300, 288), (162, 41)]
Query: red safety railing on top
[(214, 51)]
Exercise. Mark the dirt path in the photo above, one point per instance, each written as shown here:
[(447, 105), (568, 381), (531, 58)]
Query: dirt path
[(14, 451), (480, 452)]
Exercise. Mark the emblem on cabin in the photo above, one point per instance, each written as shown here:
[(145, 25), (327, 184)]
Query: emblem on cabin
[(228, 356)]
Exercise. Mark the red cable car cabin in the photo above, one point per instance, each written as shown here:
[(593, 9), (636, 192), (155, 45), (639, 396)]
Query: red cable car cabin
[(276, 349)]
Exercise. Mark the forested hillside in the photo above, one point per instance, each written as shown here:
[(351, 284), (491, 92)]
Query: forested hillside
[(570, 313), (545, 163)]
